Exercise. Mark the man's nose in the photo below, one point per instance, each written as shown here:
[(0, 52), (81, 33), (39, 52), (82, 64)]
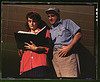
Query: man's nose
[(50, 18)]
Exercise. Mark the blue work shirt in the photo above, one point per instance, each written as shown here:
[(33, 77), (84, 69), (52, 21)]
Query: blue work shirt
[(63, 33)]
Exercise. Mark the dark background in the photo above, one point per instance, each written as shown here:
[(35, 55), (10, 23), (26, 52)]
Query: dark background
[(13, 19)]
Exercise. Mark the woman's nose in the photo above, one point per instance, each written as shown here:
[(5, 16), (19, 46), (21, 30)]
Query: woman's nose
[(32, 23)]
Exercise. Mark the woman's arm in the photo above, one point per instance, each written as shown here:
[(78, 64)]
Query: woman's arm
[(33, 47)]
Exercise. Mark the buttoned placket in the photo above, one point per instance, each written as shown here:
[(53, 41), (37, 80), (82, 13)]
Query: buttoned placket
[(31, 58)]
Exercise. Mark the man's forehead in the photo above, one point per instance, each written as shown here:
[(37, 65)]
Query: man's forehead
[(51, 14)]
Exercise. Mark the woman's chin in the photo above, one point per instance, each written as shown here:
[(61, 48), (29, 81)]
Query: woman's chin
[(33, 28)]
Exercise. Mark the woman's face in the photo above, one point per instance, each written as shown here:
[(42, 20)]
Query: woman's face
[(32, 24)]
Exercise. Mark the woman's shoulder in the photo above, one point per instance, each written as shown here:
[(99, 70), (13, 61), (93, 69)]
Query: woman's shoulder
[(43, 24)]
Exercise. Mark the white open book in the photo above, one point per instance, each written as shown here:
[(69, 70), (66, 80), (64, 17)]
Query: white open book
[(38, 39), (24, 32)]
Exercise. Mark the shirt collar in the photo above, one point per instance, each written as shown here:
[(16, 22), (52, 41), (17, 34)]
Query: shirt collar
[(60, 22)]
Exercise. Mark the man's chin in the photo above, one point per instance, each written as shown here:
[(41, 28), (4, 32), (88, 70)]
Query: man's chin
[(51, 23)]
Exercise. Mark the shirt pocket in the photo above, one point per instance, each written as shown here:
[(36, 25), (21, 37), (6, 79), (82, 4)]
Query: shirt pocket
[(64, 35), (60, 33)]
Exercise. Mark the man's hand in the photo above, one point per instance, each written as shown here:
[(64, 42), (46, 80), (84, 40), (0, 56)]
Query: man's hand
[(63, 52)]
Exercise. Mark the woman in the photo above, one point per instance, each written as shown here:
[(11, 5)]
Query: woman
[(34, 61)]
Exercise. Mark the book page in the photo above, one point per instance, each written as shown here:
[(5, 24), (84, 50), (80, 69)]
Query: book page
[(24, 32)]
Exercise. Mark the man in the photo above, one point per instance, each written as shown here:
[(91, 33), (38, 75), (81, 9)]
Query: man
[(65, 36)]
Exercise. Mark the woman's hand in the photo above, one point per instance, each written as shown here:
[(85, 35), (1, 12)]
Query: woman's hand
[(20, 52), (31, 46)]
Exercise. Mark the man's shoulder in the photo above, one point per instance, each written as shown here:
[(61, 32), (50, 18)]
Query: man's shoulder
[(67, 20)]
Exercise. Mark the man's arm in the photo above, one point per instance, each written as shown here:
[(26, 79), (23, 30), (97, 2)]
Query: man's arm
[(66, 49)]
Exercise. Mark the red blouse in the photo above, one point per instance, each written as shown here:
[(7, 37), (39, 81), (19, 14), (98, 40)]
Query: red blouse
[(32, 59)]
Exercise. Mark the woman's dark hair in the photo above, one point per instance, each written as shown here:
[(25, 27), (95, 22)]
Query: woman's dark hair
[(35, 16)]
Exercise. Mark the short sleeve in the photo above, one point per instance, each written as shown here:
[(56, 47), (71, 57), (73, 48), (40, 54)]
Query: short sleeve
[(47, 34), (73, 27), (47, 49)]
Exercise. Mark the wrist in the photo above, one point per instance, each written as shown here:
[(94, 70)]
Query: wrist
[(36, 48), (70, 46)]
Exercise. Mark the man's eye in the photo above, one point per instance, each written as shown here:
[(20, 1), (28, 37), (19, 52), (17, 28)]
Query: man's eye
[(48, 16), (51, 16)]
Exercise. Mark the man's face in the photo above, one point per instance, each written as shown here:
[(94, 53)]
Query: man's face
[(52, 18)]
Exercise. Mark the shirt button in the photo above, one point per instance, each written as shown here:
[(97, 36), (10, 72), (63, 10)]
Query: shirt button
[(32, 57)]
